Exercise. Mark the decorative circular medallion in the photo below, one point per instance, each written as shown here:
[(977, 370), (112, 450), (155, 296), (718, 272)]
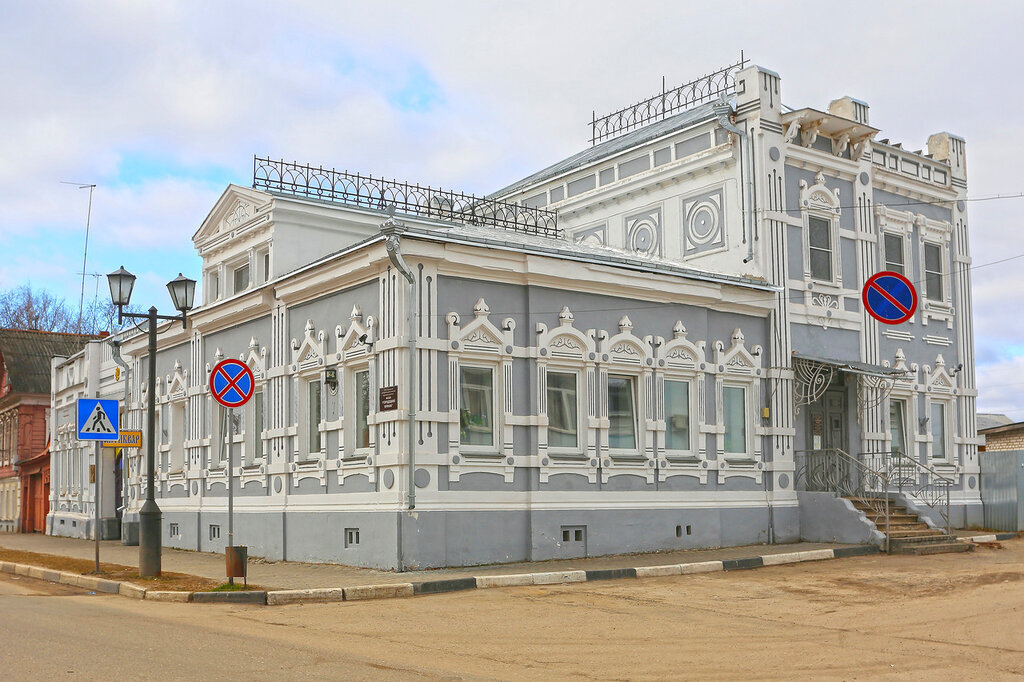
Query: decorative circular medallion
[(774, 154), (703, 222), (421, 478), (783, 481), (389, 479)]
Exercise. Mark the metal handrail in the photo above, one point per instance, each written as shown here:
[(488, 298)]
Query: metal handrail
[(934, 493), (830, 470)]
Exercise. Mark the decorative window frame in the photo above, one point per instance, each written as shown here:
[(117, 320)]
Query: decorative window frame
[(899, 224), (736, 366), (569, 350), (682, 360), (906, 388), (308, 364), (175, 403), (818, 201), (255, 358), (938, 233), (629, 355), (352, 356), (481, 344), (942, 388)]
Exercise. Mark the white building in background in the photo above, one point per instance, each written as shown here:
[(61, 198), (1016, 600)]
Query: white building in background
[(630, 350)]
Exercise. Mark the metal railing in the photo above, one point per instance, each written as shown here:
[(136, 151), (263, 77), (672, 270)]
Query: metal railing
[(914, 480), (837, 472), (698, 91), (366, 191)]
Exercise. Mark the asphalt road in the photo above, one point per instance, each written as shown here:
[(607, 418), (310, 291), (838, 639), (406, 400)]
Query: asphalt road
[(948, 617)]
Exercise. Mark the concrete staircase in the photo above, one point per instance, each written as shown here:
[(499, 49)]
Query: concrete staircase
[(908, 534)]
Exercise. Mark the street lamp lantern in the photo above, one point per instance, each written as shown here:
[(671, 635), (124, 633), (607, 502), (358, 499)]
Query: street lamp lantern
[(183, 293), (121, 284)]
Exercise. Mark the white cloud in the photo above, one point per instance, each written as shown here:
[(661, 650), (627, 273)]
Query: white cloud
[(199, 85)]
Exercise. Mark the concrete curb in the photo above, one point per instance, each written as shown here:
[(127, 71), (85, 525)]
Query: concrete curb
[(991, 537), (395, 590)]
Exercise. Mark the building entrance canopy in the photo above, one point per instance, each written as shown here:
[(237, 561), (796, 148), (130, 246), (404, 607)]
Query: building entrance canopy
[(813, 375)]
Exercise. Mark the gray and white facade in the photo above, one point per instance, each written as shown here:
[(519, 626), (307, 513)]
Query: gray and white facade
[(643, 377)]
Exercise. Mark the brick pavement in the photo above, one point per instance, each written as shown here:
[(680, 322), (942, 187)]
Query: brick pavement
[(297, 575)]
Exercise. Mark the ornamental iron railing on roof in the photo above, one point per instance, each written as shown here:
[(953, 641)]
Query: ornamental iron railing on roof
[(366, 191), (699, 91)]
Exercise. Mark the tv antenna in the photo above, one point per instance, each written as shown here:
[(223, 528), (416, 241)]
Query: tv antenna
[(85, 253)]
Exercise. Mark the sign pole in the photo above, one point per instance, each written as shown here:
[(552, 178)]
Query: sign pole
[(96, 501), (231, 484), (232, 385)]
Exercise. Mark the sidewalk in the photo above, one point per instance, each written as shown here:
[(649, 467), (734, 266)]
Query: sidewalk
[(293, 575)]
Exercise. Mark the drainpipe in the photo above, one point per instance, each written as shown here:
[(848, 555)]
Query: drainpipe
[(723, 110), (393, 230)]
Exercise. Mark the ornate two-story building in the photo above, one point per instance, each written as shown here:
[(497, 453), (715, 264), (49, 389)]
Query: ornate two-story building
[(630, 350)]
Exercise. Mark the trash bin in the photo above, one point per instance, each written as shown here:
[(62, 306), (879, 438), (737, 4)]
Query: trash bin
[(237, 559)]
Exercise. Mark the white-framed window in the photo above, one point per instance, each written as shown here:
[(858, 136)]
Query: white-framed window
[(933, 272), (254, 428), (477, 406), (178, 430), (898, 426), (894, 253), (820, 249), (734, 418), (622, 412), (240, 278), (938, 426), (678, 415), (361, 413), (563, 410), (314, 415)]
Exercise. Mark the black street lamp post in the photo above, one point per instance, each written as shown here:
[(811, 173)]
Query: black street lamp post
[(182, 290)]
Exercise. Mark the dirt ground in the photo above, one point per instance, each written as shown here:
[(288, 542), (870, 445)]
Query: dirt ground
[(956, 616), (166, 581)]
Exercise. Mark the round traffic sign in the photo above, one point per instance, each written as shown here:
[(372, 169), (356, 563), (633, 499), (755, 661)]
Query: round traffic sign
[(889, 297), (232, 383)]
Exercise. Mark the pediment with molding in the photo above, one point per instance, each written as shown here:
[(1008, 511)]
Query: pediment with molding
[(255, 358), (938, 379), (176, 382), (236, 206), (356, 340), (565, 341), (311, 351), (737, 359), (626, 347), (481, 335), (680, 353), (819, 196), (899, 362)]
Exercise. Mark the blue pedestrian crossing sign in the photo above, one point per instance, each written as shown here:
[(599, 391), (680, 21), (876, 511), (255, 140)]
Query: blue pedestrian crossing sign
[(98, 419)]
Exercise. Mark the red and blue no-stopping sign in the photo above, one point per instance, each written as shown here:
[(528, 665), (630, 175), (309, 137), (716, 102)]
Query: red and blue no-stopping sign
[(889, 297), (232, 383)]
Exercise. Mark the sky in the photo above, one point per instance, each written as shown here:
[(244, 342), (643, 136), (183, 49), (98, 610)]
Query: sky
[(162, 105)]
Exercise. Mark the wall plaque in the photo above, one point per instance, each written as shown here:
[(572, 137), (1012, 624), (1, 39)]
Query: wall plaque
[(388, 398)]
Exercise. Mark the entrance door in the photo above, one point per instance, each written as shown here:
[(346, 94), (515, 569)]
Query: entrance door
[(827, 421)]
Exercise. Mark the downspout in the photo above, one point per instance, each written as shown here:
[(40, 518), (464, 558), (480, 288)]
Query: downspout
[(723, 110), (393, 230)]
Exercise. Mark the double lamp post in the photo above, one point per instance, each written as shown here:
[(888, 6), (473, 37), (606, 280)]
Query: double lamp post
[(183, 291)]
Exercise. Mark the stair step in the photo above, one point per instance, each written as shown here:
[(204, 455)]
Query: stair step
[(934, 548), (916, 533), (920, 539)]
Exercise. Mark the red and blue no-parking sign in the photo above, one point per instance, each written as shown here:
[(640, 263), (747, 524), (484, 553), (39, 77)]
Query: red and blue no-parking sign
[(889, 297), (232, 383)]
